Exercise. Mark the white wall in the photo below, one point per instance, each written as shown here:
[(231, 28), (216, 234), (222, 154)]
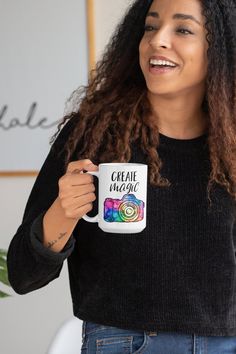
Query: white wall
[(107, 13), (43, 58), (29, 322)]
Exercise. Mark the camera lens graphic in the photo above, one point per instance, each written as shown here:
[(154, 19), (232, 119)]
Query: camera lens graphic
[(128, 211)]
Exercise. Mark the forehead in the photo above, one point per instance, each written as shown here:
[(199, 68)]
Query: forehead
[(170, 7)]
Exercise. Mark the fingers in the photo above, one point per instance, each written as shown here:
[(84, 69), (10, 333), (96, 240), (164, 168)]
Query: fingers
[(80, 165), (76, 212), (76, 189), (71, 204), (69, 180), (77, 207)]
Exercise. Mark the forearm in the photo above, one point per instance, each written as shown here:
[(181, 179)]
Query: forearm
[(57, 228), (31, 265)]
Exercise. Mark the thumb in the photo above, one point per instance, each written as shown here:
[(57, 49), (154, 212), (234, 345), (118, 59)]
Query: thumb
[(91, 167)]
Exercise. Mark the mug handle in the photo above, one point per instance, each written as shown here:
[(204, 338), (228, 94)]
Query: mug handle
[(86, 217)]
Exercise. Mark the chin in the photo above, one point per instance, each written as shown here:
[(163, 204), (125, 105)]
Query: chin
[(159, 91)]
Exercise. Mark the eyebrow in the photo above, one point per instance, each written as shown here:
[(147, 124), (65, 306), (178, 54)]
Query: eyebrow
[(176, 17)]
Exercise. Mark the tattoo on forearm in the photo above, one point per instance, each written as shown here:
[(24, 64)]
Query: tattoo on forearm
[(51, 243), (62, 234)]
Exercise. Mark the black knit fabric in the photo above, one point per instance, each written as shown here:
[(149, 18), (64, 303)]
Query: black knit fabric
[(178, 274)]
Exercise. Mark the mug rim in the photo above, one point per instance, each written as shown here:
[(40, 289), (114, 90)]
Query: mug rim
[(124, 164)]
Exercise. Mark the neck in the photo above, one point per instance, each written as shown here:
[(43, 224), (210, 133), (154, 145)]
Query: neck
[(179, 117)]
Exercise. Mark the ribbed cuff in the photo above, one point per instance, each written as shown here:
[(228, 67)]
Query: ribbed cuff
[(36, 238)]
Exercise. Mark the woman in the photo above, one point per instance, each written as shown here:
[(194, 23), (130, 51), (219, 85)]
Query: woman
[(163, 94)]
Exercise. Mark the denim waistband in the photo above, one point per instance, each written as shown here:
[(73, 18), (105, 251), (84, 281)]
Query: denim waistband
[(178, 342), (91, 327)]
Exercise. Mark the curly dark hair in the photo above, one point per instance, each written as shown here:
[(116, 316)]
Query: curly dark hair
[(114, 108)]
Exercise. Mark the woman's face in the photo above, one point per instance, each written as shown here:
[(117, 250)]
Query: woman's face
[(174, 29)]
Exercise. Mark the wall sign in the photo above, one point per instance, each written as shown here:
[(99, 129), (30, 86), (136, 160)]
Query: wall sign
[(41, 64)]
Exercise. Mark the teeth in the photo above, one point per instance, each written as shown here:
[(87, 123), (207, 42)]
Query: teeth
[(161, 62)]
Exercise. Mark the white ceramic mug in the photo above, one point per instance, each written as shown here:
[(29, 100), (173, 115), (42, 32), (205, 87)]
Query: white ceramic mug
[(122, 197)]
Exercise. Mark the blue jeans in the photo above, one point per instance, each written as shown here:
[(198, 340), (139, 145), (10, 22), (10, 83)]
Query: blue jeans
[(100, 339)]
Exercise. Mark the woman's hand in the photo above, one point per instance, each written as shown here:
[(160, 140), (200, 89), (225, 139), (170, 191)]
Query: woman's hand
[(76, 189)]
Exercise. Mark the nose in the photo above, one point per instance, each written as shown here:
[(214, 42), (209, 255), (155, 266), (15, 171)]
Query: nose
[(160, 39)]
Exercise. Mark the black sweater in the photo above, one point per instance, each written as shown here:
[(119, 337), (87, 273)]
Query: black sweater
[(178, 274)]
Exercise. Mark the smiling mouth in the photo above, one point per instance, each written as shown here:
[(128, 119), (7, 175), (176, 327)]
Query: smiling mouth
[(161, 69)]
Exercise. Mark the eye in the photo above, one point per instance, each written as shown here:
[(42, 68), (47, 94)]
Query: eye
[(148, 28), (184, 31), (181, 30)]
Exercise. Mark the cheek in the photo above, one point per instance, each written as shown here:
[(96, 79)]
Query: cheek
[(141, 49), (196, 61), (142, 58)]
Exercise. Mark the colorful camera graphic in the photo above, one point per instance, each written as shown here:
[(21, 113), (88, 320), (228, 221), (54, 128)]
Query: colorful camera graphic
[(127, 209)]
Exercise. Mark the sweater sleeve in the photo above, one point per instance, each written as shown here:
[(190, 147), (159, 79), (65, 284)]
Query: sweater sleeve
[(30, 264)]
